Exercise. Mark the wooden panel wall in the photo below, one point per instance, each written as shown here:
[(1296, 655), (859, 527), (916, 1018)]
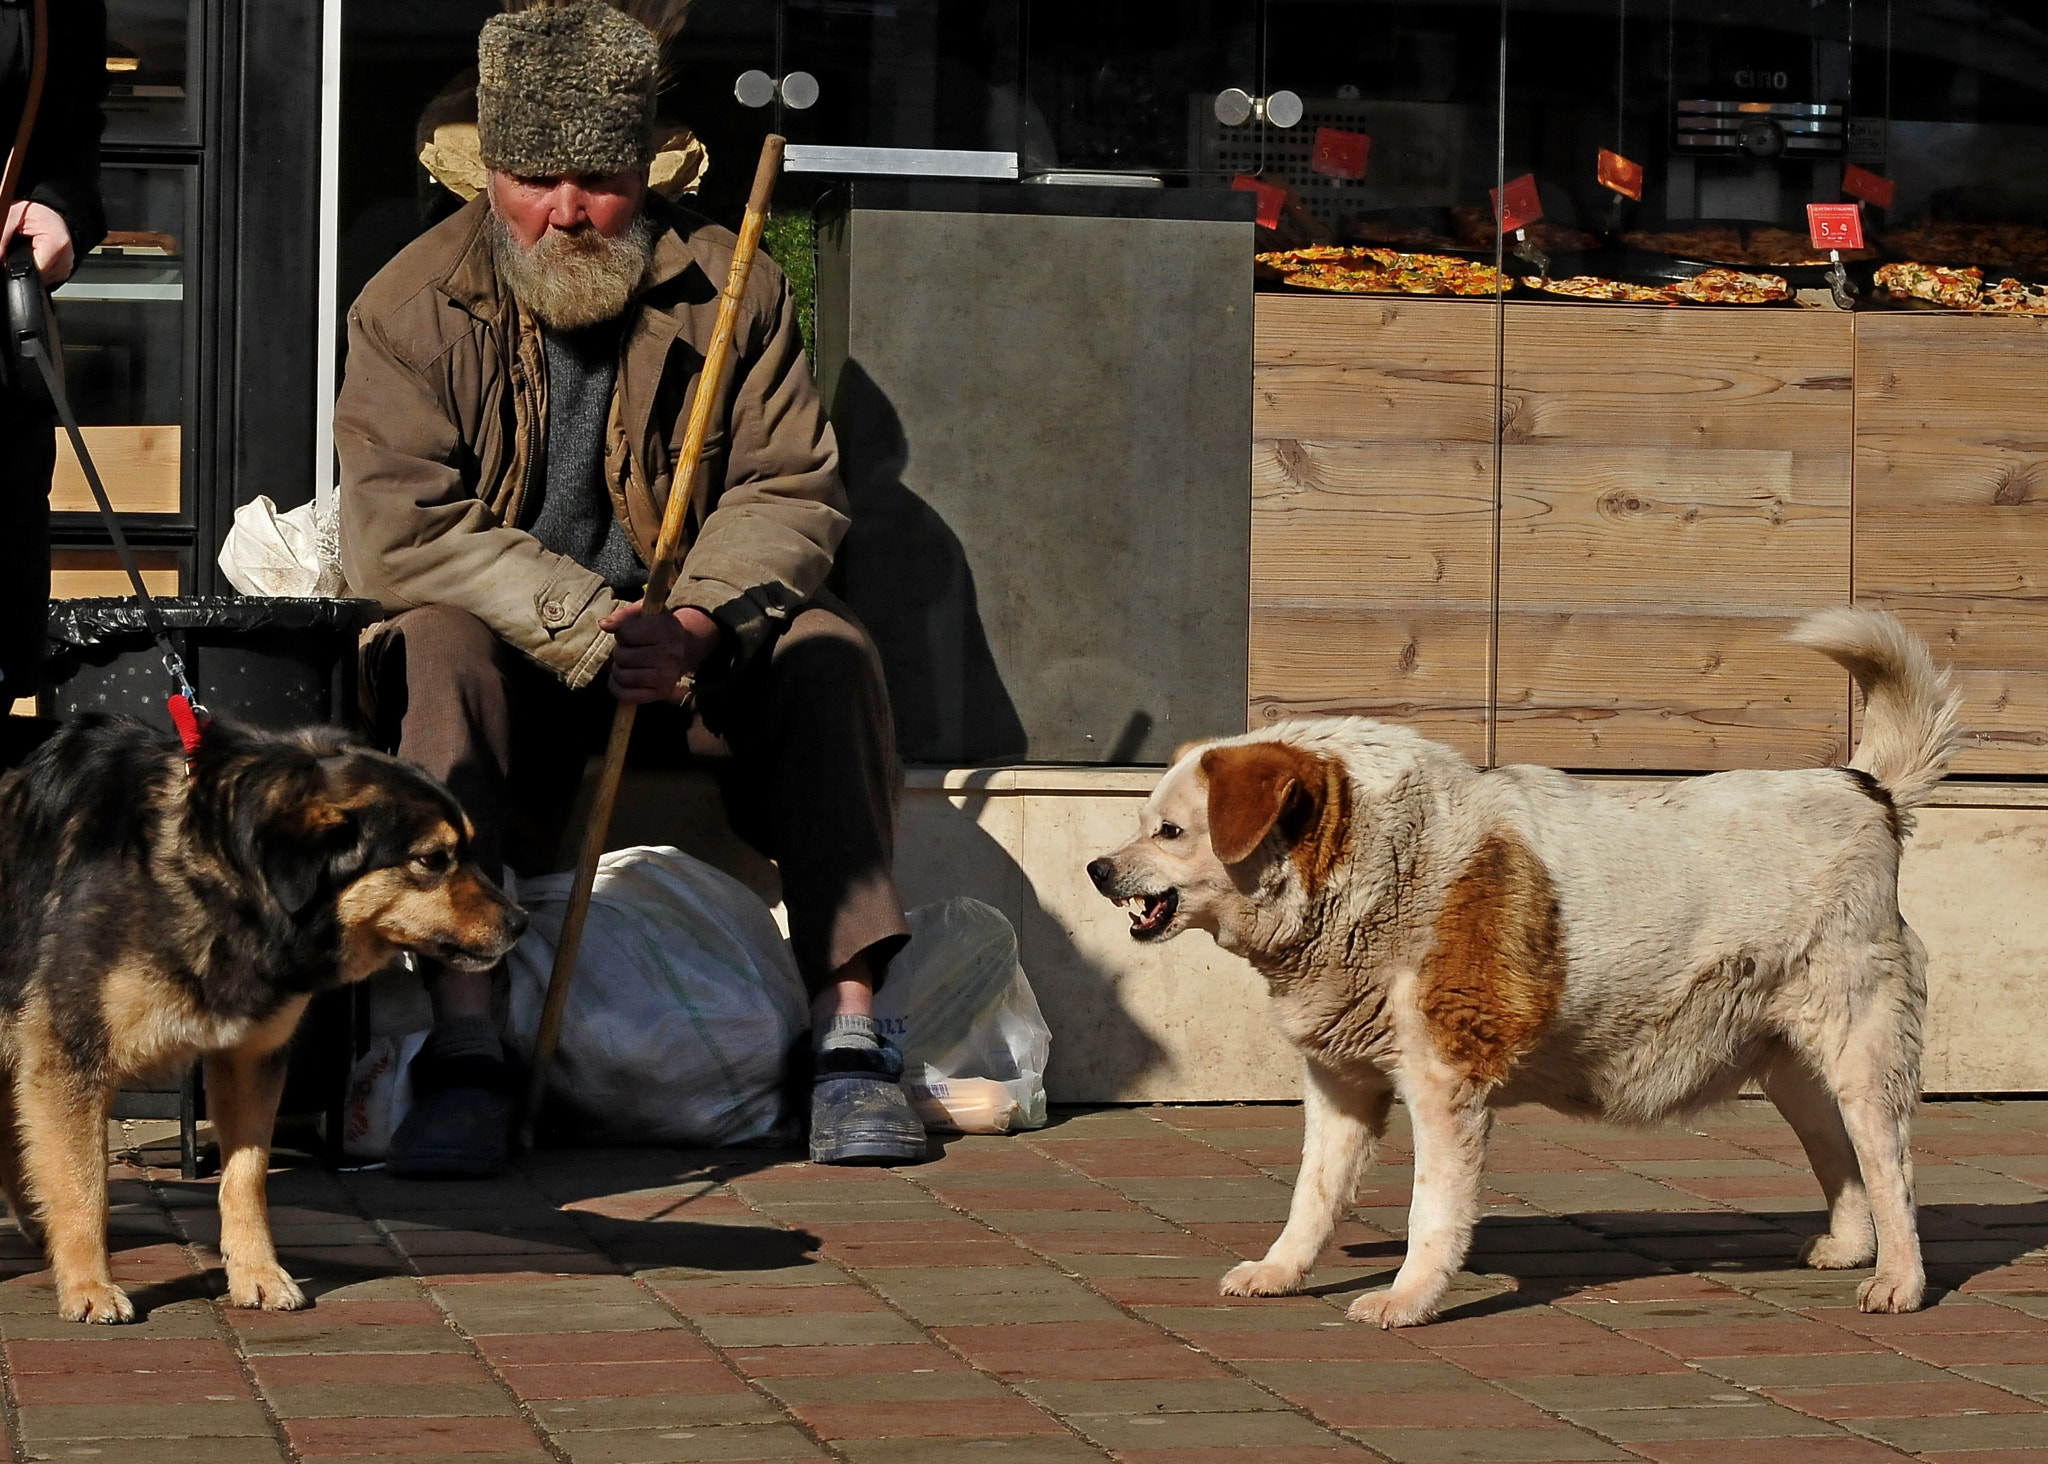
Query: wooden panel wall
[(1952, 512), (139, 466), (1675, 494), (1372, 512)]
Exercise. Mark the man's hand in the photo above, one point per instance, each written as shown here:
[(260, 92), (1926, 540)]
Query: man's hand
[(656, 652), (48, 236)]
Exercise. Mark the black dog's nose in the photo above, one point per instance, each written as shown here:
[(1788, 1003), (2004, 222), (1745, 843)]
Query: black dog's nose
[(516, 921), (1102, 872)]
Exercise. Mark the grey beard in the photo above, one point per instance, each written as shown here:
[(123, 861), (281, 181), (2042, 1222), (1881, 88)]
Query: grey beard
[(576, 279)]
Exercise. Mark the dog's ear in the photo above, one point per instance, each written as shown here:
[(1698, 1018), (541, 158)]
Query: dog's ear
[(307, 846), (1255, 785)]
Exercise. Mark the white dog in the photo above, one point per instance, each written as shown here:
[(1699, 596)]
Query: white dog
[(1474, 939)]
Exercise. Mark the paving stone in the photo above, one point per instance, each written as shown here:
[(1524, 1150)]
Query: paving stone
[(619, 1379), (72, 1421), (319, 1436), (1388, 1375), (1150, 1395), (249, 1450), (1117, 1432), (1843, 1449), (1650, 1390), (2029, 1380), (1563, 1359), (1789, 1337), (688, 1445), (848, 1329), (1555, 1445), (388, 1400), (1490, 1409), (1983, 1431), (917, 1385), (562, 1415), (654, 1344), (1820, 1370), (1004, 1417), (1757, 1419), (1904, 1400), (806, 1362)]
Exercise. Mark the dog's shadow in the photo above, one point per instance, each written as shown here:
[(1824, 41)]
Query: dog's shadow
[(1538, 1260), (619, 1212)]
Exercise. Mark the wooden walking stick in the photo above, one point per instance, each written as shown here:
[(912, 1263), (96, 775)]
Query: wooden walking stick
[(661, 578)]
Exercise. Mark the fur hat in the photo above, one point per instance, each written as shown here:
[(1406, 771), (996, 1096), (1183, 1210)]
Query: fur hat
[(565, 89)]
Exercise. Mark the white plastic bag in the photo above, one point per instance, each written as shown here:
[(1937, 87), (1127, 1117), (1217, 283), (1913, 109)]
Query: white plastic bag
[(683, 1011), (379, 1094), (958, 1006), (291, 554)]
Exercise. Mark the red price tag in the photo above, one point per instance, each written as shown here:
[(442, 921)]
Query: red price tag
[(1623, 176), (1518, 205), (1835, 225), (1272, 198), (1873, 188), (1340, 154)]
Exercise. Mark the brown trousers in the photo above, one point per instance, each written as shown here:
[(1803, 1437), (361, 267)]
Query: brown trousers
[(812, 780)]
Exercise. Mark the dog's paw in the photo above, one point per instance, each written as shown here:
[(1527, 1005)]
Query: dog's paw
[(1831, 1253), (1882, 1293), (95, 1301), (1261, 1278), (264, 1287), (1389, 1309)]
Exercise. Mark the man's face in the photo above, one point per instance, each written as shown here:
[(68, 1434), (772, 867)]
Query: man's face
[(573, 249), (531, 207)]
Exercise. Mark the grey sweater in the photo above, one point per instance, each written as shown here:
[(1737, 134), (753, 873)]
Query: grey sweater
[(573, 512)]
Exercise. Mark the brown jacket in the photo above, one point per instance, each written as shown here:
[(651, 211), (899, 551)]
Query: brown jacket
[(443, 416)]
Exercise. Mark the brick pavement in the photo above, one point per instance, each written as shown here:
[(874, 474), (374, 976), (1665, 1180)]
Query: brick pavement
[(1052, 1297)]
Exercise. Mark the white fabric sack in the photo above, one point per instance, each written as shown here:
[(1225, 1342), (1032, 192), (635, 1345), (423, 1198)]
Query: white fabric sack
[(293, 555), (683, 1010), (958, 1006), (379, 1094)]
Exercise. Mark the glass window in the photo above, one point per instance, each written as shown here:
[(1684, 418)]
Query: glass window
[(122, 316), (1396, 138), (901, 74), (1130, 86), (152, 88)]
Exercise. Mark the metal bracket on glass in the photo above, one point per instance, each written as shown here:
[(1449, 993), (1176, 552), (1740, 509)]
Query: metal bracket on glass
[(910, 162), (1839, 283), (798, 90), (1235, 107)]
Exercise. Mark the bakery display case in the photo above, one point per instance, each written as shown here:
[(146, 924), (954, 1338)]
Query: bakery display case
[(1568, 519)]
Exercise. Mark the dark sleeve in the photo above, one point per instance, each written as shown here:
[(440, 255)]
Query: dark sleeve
[(62, 168)]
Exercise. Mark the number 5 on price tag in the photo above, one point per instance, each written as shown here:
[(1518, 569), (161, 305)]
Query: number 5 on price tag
[(1835, 225)]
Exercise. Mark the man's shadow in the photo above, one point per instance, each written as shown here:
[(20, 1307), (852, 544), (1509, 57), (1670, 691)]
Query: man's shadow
[(906, 574)]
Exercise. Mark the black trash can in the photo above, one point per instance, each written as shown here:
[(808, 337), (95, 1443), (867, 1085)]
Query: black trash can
[(278, 663)]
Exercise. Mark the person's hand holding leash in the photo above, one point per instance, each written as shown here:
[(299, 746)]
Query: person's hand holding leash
[(656, 652), (48, 235)]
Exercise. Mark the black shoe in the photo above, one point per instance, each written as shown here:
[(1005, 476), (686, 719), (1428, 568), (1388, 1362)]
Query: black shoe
[(461, 1120), (858, 1112)]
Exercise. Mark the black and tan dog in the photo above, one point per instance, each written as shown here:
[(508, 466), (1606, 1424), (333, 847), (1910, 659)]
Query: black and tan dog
[(149, 918)]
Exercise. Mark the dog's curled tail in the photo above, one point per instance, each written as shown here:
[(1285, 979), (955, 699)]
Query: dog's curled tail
[(1909, 706)]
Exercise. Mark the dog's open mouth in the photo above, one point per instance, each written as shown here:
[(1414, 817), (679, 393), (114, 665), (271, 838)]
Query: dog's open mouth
[(462, 958), (1150, 914)]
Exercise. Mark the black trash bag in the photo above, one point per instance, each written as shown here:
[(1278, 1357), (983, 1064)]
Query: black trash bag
[(272, 662)]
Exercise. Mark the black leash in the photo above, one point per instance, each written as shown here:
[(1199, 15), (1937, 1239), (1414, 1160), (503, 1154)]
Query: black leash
[(30, 323)]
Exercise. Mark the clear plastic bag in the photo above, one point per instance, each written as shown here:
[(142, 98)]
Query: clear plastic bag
[(958, 1006), (683, 1011)]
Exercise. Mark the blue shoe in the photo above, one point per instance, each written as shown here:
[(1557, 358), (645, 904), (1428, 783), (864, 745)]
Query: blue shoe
[(460, 1122), (858, 1112)]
